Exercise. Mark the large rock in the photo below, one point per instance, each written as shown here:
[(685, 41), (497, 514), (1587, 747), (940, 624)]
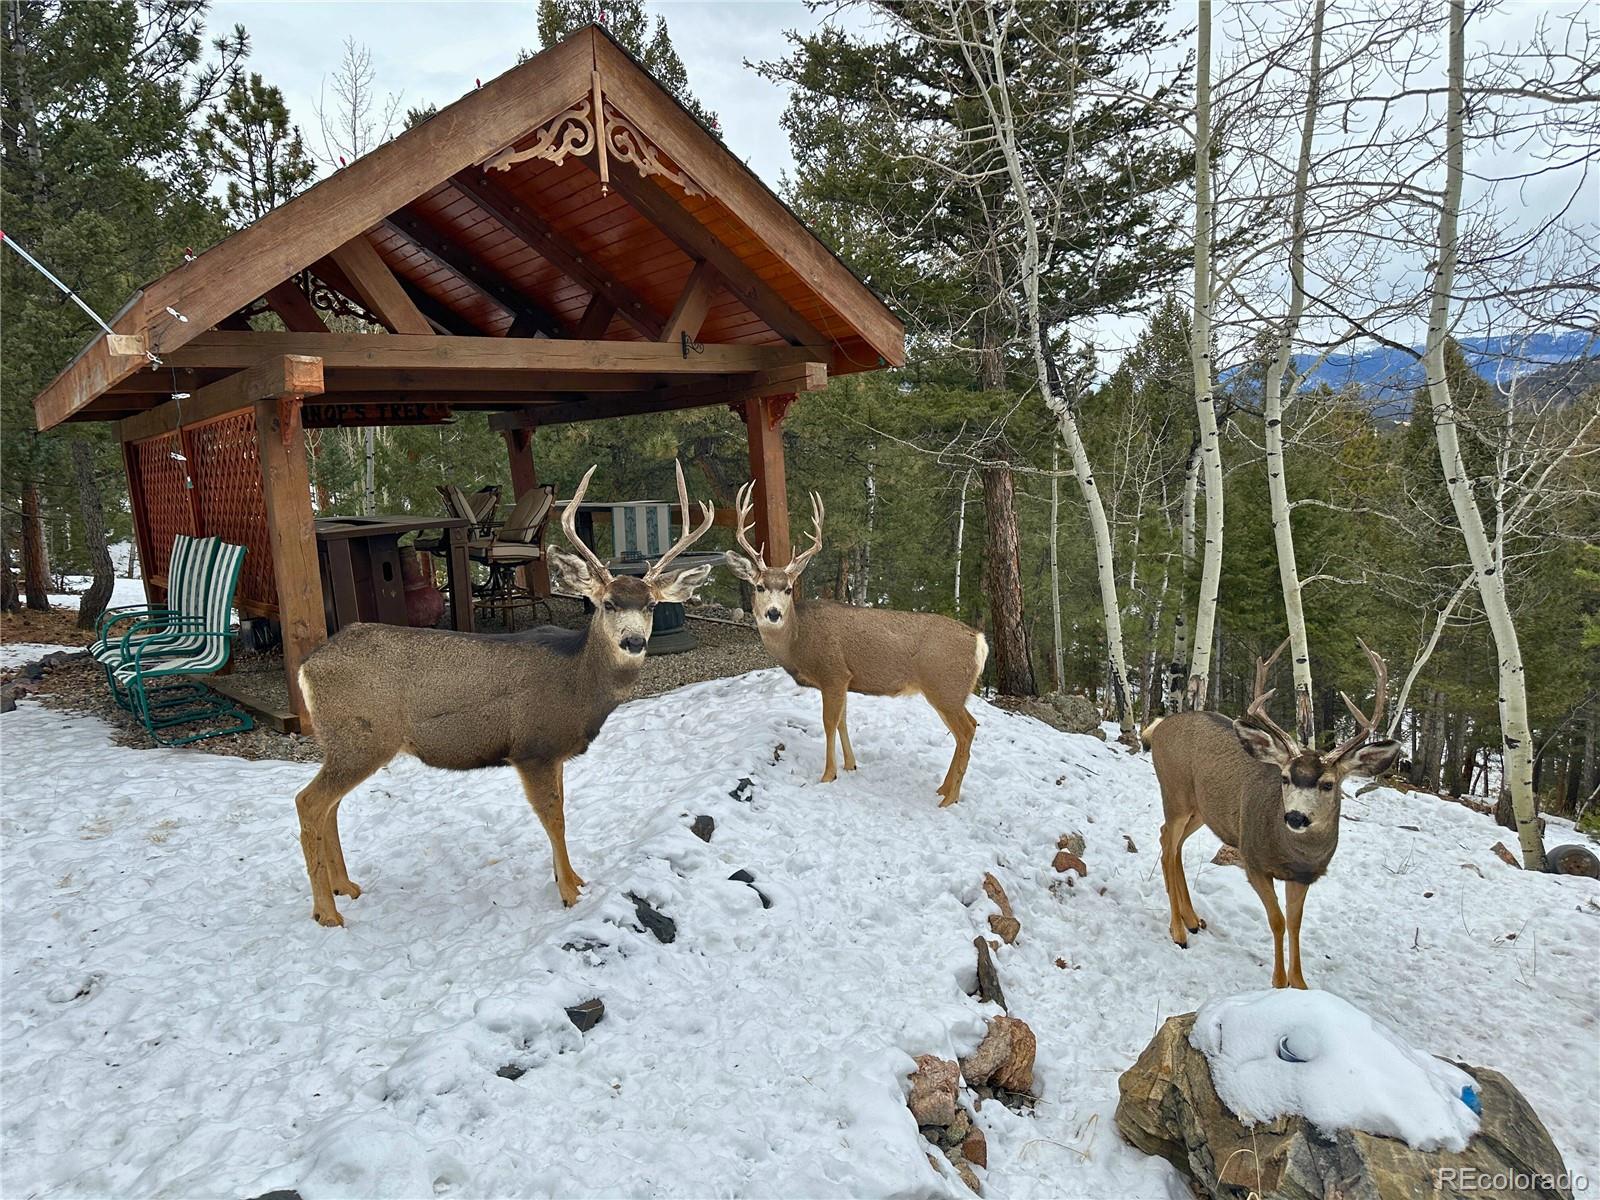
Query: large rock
[(1169, 1107), (1004, 1059), (1078, 713), (933, 1090)]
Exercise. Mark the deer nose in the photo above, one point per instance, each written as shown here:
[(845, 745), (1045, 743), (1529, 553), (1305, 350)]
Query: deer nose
[(1296, 820), (633, 644), (773, 614)]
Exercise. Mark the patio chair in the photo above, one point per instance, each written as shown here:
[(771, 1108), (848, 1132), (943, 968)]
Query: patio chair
[(513, 546), (145, 657), (478, 507), (188, 569)]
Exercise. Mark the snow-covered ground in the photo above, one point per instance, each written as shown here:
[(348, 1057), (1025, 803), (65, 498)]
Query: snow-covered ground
[(124, 592), (174, 1023)]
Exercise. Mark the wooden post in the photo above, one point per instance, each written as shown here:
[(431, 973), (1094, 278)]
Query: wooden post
[(763, 418), (524, 478), (141, 524), (286, 488)]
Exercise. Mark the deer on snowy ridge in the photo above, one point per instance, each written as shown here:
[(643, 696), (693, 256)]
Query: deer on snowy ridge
[(1255, 787), (840, 648), (462, 701)]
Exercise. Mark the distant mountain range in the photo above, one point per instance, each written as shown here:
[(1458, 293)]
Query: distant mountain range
[(1548, 362)]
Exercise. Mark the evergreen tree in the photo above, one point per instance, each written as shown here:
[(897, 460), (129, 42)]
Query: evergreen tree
[(253, 145)]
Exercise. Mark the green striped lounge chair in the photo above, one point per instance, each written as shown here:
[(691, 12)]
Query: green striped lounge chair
[(143, 662), (187, 571)]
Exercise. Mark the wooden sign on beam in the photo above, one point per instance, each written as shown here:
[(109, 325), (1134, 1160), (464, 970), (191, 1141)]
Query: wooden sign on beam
[(375, 412)]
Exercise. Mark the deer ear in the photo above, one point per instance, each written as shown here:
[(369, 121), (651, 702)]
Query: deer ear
[(1261, 744), (677, 588), (740, 566), (572, 575), (1372, 759)]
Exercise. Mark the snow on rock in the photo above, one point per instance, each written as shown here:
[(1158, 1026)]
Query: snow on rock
[(173, 1022), (1313, 1054), (15, 654)]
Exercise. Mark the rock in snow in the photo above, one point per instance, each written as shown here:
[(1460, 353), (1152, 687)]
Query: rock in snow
[(1004, 1059), (1171, 1108), (933, 1090)]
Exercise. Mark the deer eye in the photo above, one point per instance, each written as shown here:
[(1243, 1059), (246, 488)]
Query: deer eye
[(1286, 779), (761, 587), (787, 590), (650, 606), (1326, 785), (610, 607)]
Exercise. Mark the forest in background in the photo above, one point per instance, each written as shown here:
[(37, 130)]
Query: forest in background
[(131, 139)]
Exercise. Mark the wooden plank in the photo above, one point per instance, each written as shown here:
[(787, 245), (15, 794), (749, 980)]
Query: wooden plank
[(736, 390), (378, 288), (690, 311), (735, 186), (765, 438), (526, 309), (219, 349), (266, 712), (596, 318), (293, 309), (343, 413), (286, 375), (141, 523), (515, 216), (235, 271), (286, 488)]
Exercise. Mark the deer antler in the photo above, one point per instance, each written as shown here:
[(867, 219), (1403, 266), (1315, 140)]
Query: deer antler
[(1258, 706), (743, 525), (799, 561), (1365, 725), (568, 515), (689, 536)]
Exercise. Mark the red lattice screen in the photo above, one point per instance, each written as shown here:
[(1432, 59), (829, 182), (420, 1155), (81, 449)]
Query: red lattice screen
[(161, 490), (226, 500), (227, 478)]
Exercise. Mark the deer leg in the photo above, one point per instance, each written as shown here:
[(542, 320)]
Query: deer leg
[(1172, 874), (544, 788), (1295, 896), (317, 805), (1268, 892), (1191, 920), (962, 726), (844, 734), (832, 710)]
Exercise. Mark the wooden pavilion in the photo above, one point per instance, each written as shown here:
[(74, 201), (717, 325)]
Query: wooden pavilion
[(566, 243)]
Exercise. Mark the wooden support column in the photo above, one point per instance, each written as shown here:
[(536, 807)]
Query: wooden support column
[(286, 489), (763, 418), (524, 478)]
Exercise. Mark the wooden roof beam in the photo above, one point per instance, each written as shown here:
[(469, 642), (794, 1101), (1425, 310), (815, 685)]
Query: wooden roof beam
[(296, 312), (807, 377), (690, 311), (286, 376), (378, 288), (524, 309), (543, 239), (355, 351)]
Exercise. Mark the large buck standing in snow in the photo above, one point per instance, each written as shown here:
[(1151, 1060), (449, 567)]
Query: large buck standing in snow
[(839, 649), (1260, 791), (461, 701)]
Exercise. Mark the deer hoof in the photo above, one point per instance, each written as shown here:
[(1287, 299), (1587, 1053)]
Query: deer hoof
[(949, 800), (569, 892), (1296, 982), (1199, 924), (828, 776), (330, 918), (347, 888)]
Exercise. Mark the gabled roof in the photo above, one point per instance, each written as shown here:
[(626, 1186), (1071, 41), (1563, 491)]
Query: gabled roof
[(497, 217)]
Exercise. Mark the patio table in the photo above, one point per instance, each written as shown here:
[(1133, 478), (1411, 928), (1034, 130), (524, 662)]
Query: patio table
[(360, 561)]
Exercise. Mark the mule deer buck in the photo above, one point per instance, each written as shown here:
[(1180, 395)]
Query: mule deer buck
[(1263, 793), (462, 701), (840, 648)]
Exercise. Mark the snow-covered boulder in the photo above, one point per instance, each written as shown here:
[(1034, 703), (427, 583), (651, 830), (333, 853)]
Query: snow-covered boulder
[(1170, 1107)]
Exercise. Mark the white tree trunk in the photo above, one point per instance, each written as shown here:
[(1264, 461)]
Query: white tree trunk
[(1272, 404), (997, 98), (1178, 667), (369, 475), (1055, 568), (1517, 737), (961, 533), (1200, 356), (1426, 652)]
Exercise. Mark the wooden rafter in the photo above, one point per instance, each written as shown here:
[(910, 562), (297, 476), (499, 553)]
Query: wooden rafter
[(737, 389), (378, 288), (286, 375), (414, 228), (517, 217), (596, 318), (690, 311), (294, 309)]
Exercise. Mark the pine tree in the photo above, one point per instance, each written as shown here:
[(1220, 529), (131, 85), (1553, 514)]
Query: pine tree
[(253, 145)]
